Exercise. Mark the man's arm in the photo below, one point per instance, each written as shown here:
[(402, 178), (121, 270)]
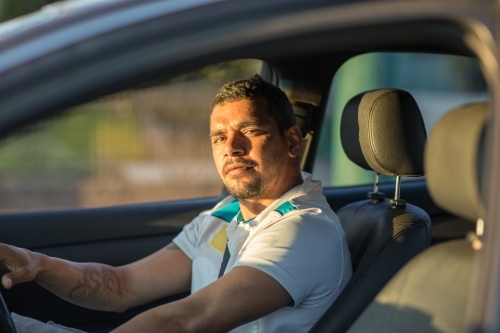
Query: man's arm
[(98, 286), (242, 295)]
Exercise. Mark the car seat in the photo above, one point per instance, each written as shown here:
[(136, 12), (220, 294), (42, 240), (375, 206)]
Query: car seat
[(430, 294), (381, 130), (303, 115)]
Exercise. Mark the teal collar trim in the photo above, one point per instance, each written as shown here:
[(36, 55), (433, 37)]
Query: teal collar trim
[(228, 212), (285, 207), (239, 218)]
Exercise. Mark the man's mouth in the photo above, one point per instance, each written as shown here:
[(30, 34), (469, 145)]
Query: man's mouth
[(235, 169)]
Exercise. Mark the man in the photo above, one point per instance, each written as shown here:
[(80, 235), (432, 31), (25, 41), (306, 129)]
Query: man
[(278, 248)]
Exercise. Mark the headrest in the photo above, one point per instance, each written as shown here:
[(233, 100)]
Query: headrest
[(383, 130), (453, 160), (303, 113)]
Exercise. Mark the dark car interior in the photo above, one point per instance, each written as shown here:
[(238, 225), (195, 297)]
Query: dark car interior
[(386, 225)]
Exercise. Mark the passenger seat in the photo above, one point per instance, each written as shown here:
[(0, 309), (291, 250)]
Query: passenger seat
[(381, 130)]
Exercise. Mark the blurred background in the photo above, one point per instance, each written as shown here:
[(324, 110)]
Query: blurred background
[(14, 8), (145, 144)]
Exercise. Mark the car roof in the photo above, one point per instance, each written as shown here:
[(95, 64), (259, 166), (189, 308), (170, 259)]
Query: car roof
[(61, 24), (66, 13)]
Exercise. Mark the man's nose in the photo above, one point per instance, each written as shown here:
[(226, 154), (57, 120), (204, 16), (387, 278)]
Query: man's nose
[(235, 145)]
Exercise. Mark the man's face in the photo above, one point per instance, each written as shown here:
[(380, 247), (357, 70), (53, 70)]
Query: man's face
[(250, 153)]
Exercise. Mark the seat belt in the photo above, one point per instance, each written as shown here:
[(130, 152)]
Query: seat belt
[(227, 255), (225, 260)]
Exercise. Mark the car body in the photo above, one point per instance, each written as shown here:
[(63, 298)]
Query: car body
[(77, 52)]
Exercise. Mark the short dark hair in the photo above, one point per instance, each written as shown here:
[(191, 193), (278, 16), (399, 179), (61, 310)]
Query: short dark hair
[(280, 107)]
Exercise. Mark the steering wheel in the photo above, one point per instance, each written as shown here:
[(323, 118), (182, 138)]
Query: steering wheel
[(6, 323)]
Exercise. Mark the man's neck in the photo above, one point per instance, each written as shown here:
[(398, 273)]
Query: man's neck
[(252, 207)]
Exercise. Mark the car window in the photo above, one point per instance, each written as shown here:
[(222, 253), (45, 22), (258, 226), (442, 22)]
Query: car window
[(437, 82), (145, 144)]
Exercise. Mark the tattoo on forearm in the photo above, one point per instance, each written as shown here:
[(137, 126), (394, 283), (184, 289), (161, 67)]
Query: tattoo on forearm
[(100, 288)]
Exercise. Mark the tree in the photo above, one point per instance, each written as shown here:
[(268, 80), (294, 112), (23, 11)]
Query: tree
[(14, 8)]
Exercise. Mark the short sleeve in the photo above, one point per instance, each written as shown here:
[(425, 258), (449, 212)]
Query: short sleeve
[(302, 252), (187, 240), (190, 237)]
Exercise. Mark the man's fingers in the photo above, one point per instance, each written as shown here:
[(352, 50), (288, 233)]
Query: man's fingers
[(6, 282), (11, 279), (19, 264)]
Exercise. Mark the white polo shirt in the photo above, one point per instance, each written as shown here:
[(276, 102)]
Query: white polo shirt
[(298, 240)]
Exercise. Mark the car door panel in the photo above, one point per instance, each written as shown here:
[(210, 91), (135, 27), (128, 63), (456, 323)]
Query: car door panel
[(111, 235), (58, 227)]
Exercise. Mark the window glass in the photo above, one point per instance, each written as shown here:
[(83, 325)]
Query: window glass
[(437, 82), (144, 144)]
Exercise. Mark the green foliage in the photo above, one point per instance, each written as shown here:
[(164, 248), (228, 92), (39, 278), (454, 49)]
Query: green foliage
[(14, 8), (60, 146)]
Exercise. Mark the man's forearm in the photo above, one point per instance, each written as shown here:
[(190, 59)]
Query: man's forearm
[(90, 285), (99, 286), (242, 295)]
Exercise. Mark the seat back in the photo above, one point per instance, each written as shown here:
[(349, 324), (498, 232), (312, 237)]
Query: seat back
[(303, 115), (381, 130), (430, 294)]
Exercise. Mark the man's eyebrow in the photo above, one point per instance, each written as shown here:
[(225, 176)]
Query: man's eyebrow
[(215, 133), (249, 123)]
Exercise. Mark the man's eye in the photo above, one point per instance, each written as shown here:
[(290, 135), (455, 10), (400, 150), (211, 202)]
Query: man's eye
[(219, 139), (252, 131)]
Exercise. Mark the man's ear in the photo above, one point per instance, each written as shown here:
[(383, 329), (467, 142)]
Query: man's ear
[(294, 138)]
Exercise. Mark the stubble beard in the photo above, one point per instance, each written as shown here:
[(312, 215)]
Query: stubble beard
[(241, 188), (251, 189)]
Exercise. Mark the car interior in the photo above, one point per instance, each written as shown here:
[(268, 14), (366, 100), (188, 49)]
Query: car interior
[(106, 157)]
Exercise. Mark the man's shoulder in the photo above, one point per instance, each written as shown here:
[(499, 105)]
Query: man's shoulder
[(306, 211), (311, 210), (311, 200)]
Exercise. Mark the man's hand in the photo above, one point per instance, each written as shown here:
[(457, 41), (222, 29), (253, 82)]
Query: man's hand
[(99, 286), (22, 265)]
